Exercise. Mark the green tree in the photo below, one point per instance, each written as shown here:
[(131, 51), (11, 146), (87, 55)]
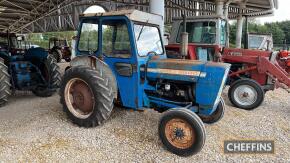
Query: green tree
[(277, 33), (285, 26)]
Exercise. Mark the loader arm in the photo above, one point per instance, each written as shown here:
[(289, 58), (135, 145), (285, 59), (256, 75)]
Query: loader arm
[(273, 70)]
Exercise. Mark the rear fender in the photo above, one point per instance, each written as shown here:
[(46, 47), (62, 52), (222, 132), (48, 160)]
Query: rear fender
[(36, 54), (96, 64)]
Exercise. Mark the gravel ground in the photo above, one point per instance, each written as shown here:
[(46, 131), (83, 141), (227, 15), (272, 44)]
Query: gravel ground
[(35, 129)]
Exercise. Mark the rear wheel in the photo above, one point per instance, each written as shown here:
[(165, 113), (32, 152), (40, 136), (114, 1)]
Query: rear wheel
[(67, 59), (5, 90), (246, 94), (56, 56), (215, 116), (87, 96), (182, 132), (51, 73)]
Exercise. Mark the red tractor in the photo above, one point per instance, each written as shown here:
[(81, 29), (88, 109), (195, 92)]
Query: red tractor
[(59, 49), (253, 72)]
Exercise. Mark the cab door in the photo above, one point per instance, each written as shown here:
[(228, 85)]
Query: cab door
[(118, 52)]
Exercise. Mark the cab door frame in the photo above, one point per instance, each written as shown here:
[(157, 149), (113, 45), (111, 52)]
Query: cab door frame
[(127, 85)]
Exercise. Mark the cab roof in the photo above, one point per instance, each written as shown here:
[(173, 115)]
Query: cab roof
[(134, 15)]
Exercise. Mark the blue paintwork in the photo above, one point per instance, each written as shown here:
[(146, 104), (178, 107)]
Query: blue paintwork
[(25, 69), (133, 89)]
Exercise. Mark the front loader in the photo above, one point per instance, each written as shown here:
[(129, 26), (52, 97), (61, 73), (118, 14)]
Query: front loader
[(121, 60)]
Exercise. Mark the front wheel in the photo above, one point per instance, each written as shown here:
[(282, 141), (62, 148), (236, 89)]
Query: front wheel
[(182, 132), (246, 94), (217, 115)]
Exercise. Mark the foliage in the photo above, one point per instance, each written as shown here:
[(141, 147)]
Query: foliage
[(279, 30), (42, 39)]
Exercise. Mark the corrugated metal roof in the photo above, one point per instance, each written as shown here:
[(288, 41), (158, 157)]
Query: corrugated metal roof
[(17, 15)]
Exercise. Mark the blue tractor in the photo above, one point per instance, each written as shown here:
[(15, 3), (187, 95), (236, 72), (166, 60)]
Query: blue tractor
[(25, 69), (121, 60)]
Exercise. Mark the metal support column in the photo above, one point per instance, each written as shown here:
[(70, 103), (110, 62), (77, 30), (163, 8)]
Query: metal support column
[(220, 7), (239, 31), (158, 7)]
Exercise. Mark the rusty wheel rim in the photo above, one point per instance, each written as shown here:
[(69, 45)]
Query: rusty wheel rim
[(79, 98), (179, 133)]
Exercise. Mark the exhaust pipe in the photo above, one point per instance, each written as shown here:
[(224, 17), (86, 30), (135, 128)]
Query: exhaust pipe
[(246, 39), (184, 39)]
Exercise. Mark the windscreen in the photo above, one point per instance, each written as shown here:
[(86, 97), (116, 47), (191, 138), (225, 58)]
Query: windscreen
[(199, 32), (88, 40), (148, 39), (3, 41), (255, 42)]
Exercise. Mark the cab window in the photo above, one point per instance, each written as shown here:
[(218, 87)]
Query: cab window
[(223, 29), (147, 39), (199, 32), (88, 39), (116, 42)]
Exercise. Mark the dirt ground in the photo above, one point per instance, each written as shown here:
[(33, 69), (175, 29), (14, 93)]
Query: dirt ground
[(35, 129)]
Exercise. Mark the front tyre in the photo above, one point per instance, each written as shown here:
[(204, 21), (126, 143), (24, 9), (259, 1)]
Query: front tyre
[(217, 115), (246, 94), (182, 132), (51, 73), (87, 96)]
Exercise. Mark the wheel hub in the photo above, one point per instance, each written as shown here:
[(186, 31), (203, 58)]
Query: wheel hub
[(79, 98), (179, 133), (245, 95)]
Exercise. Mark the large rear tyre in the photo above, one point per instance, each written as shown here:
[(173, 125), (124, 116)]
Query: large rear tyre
[(5, 86), (246, 94), (51, 73), (217, 115), (87, 96), (182, 132)]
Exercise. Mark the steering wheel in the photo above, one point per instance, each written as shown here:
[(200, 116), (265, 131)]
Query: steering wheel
[(152, 52)]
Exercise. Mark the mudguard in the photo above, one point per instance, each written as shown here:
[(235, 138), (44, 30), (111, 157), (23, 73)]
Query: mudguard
[(35, 54), (95, 63)]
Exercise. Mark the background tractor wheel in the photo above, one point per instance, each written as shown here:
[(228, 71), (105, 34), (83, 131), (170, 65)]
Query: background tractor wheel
[(67, 59), (5, 90), (87, 96), (51, 73), (215, 116), (246, 94), (56, 56), (182, 132)]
